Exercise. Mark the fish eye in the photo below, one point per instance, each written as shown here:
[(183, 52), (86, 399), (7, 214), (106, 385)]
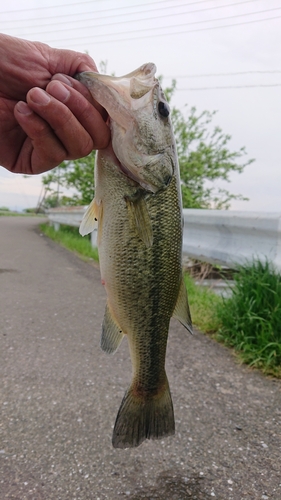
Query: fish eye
[(163, 109)]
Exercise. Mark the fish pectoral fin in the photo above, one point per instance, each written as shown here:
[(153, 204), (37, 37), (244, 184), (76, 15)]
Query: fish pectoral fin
[(112, 334), (90, 219), (140, 219), (181, 311)]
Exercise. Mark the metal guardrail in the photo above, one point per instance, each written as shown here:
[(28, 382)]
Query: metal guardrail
[(71, 216), (232, 237), (220, 237)]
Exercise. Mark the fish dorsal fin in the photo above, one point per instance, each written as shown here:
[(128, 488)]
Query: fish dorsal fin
[(140, 219), (181, 311), (112, 334)]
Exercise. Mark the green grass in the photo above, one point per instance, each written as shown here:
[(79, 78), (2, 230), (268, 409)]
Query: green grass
[(70, 238), (8, 213), (203, 303), (250, 320)]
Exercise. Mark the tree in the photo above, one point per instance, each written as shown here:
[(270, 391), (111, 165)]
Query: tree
[(74, 174), (204, 157), (203, 154)]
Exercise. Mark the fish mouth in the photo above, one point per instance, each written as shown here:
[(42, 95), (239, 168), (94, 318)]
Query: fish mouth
[(122, 98), (116, 94), (133, 85)]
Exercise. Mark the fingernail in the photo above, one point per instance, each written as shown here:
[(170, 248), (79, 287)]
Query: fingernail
[(23, 108), (39, 96), (59, 91), (62, 78)]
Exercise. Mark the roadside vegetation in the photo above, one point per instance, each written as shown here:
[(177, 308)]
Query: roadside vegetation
[(249, 321), (28, 212), (203, 303), (5, 211), (70, 238)]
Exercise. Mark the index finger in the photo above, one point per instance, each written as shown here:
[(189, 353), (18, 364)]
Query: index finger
[(72, 82)]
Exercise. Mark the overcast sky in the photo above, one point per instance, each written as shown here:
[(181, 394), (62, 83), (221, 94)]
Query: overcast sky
[(225, 56)]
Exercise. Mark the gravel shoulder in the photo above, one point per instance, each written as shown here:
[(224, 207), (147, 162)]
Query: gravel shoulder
[(60, 395)]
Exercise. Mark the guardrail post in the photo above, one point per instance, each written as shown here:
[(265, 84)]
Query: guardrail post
[(94, 239)]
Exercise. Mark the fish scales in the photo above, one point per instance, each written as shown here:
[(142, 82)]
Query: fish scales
[(147, 279), (139, 240)]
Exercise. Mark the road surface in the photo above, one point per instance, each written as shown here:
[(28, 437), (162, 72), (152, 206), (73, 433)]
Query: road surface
[(60, 395)]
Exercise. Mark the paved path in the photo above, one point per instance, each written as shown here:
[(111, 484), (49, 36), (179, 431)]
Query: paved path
[(60, 394)]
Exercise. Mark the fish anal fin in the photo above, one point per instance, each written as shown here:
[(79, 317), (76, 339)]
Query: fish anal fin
[(140, 219), (146, 416), (90, 219), (112, 334), (181, 311)]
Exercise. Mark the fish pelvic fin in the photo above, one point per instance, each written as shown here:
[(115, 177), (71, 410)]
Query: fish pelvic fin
[(140, 219), (112, 334), (182, 311), (92, 218), (144, 416)]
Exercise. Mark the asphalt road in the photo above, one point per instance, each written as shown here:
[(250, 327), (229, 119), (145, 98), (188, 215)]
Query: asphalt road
[(60, 394)]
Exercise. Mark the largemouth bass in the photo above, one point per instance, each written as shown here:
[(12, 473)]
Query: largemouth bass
[(138, 209)]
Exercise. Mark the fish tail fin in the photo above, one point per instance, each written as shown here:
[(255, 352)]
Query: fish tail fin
[(144, 416)]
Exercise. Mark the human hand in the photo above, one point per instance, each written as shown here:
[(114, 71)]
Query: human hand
[(46, 116)]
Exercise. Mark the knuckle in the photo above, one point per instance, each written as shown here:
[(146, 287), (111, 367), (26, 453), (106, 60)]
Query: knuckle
[(83, 148), (41, 129), (52, 157), (101, 140)]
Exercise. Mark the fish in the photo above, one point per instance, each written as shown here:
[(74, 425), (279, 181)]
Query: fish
[(137, 210)]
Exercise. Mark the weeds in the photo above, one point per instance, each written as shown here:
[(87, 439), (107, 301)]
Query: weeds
[(203, 304), (9, 213), (250, 320)]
